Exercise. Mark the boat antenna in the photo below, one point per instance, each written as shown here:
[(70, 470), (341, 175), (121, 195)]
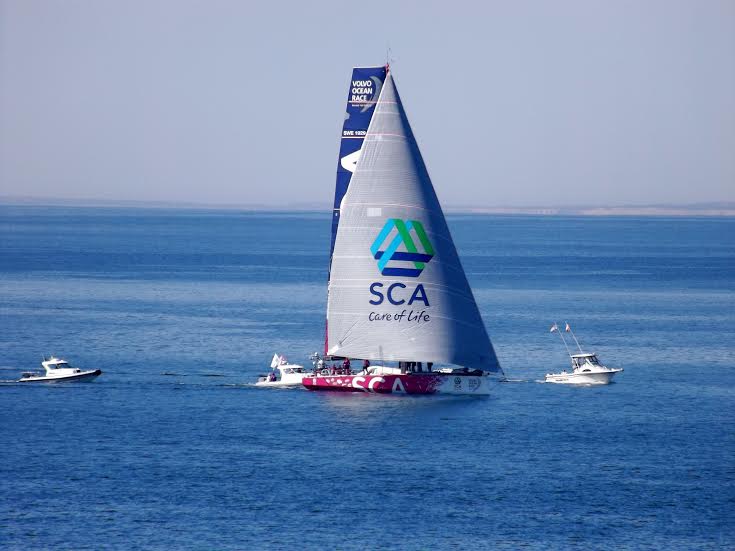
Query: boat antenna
[(388, 58), (568, 329), (555, 329)]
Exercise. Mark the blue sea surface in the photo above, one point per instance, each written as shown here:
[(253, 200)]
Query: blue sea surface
[(173, 448)]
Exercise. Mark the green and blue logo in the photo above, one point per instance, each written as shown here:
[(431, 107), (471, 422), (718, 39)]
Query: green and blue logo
[(401, 231)]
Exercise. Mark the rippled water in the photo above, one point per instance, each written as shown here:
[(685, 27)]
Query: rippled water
[(172, 449)]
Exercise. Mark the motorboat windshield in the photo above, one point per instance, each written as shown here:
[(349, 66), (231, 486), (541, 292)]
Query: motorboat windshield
[(581, 360), (292, 370)]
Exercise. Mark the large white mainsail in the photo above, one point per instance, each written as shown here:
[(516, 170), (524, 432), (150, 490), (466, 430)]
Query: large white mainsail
[(397, 290)]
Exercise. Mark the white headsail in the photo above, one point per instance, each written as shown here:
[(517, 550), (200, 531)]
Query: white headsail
[(397, 290)]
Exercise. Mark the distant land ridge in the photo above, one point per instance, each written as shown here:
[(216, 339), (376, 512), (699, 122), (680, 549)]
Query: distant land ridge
[(695, 209), (716, 208)]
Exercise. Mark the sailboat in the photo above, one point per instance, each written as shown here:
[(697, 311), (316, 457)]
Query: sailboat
[(397, 294)]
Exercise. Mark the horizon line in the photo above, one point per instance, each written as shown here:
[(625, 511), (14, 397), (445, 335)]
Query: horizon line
[(701, 208)]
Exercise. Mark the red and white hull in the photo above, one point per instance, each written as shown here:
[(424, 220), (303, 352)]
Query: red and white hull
[(411, 383)]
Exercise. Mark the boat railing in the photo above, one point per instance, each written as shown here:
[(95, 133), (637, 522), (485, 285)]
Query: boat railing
[(333, 370)]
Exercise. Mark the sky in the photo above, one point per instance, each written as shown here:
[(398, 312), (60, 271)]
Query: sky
[(514, 103)]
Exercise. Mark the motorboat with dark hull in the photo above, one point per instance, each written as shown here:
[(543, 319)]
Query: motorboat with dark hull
[(59, 371)]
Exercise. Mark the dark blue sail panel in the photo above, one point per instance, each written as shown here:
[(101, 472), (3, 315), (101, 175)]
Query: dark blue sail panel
[(364, 90), (362, 95)]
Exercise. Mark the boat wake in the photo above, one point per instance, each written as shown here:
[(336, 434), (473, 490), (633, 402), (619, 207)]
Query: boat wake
[(261, 387)]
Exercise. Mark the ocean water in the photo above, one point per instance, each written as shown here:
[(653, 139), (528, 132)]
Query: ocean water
[(172, 448)]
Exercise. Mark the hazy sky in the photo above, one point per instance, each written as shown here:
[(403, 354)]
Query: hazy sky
[(513, 103)]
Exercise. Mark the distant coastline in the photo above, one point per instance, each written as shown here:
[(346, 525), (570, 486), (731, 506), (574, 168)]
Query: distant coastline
[(696, 209), (710, 209)]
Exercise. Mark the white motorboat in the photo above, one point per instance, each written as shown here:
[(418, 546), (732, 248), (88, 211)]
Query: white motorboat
[(586, 368), (283, 373), (57, 371)]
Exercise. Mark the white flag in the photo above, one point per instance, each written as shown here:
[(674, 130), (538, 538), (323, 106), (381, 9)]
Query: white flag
[(276, 361)]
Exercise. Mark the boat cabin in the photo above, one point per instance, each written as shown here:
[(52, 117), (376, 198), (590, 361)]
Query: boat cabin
[(291, 369), (57, 364), (581, 360)]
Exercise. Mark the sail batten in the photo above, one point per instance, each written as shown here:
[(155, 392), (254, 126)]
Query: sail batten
[(397, 290)]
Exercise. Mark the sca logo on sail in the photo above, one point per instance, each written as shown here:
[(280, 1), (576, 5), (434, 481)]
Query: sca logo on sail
[(401, 257)]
